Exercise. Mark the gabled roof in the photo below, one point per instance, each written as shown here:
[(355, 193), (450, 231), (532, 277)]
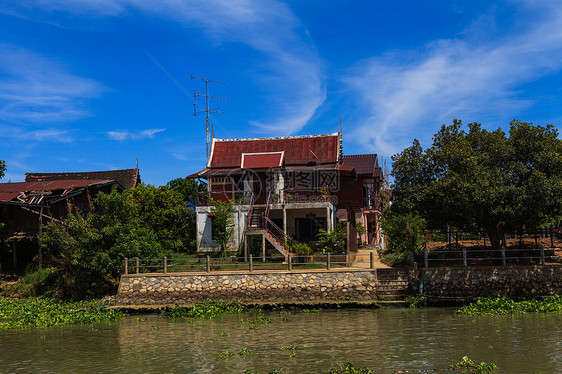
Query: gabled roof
[(29, 192), (127, 178), (365, 165), (298, 150)]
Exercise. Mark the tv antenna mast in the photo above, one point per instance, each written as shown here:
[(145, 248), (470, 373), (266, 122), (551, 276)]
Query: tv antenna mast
[(207, 109)]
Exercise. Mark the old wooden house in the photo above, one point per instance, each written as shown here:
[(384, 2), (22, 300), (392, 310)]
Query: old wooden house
[(288, 187), (25, 207)]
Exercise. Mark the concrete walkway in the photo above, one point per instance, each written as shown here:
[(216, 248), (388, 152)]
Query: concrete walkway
[(363, 259)]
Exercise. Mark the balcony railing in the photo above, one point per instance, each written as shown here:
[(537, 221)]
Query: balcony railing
[(288, 195)]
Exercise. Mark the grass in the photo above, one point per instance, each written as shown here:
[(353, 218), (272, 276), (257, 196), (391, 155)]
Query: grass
[(45, 312)]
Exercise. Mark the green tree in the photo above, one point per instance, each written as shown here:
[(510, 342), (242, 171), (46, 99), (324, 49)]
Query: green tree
[(334, 241), (222, 226), (2, 169), (188, 189), (482, 180), (404, 236), (88, 253), (165, 212)]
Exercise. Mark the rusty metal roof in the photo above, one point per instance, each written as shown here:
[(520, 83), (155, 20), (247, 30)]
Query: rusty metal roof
[(298, 150), (365, 165), (29, 192), (127, 178)]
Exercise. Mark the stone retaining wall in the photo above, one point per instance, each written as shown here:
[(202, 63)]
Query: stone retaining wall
[(251, 287), (320, 285), (512, 281)]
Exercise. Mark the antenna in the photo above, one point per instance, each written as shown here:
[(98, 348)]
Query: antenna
[(207, 109)]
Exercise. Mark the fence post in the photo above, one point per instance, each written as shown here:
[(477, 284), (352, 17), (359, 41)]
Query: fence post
[(290, 262), (327, 261), (165, 265), (372, 259), (126, 266), (503, 256), (251, 263), (542, 256), (425, 258), (208, 264), (464, 260), (138, 265)]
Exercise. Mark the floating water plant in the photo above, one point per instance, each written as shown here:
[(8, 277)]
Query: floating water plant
[(210, 309), (477, 367), (44, 312), (349, 369), (501, 305)]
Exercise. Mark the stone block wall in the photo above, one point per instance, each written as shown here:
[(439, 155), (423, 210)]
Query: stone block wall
[(248, 287), (511, 281)]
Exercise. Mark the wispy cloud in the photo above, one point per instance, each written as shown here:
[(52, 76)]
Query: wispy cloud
[(34, 88), (456, 78), (122, 135), (293, 70), (24, 134), (57, 135)]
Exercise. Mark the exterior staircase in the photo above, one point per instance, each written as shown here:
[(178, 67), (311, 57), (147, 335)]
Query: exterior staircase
[(277, 245), (258, 223)]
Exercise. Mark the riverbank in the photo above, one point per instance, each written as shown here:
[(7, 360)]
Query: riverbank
[(328, 304)]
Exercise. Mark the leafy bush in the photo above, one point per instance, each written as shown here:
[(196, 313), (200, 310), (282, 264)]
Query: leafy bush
[(164, 212), (334, 241), (404, 234), (222, 223), (301, 249), (88, 253), (33, 283)]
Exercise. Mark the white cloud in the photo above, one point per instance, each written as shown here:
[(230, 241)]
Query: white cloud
[(34, 88), (407, 94), (24, 135), (122, 135), (58, 135), (294, 71)]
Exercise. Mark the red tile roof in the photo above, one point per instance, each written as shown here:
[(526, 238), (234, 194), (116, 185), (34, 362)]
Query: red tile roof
[(127, 178), (299, 150), (365, 165), (10, 191)]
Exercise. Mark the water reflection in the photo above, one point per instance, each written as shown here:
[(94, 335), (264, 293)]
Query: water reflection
[(383, 340)]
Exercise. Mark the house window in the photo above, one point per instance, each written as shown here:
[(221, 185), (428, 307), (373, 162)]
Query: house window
[(221, 180)]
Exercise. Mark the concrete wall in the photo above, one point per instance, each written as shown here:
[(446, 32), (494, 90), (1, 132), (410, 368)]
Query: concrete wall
[(512, 281), (279, 286)]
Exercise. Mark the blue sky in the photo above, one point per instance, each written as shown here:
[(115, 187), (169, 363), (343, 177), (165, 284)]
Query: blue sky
[(93, 84)]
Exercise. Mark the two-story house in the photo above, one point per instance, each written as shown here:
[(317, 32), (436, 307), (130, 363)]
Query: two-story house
[(283, 186)]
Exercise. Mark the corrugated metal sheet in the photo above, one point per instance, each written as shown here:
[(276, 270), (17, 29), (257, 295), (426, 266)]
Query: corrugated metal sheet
[(127, 178), (299, 150), (10, 191), (364, 165), (262, 160)]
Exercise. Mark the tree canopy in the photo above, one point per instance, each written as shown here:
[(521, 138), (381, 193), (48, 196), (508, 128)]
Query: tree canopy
[(482, 180), (2, 169), (87, 252)]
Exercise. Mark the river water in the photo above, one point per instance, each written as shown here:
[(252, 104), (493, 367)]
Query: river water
[(385, 340)]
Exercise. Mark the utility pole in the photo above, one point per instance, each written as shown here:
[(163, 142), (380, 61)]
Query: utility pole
[(207, 109)]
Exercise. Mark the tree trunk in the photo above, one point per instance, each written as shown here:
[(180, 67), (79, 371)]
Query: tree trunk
[(496, 237)]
